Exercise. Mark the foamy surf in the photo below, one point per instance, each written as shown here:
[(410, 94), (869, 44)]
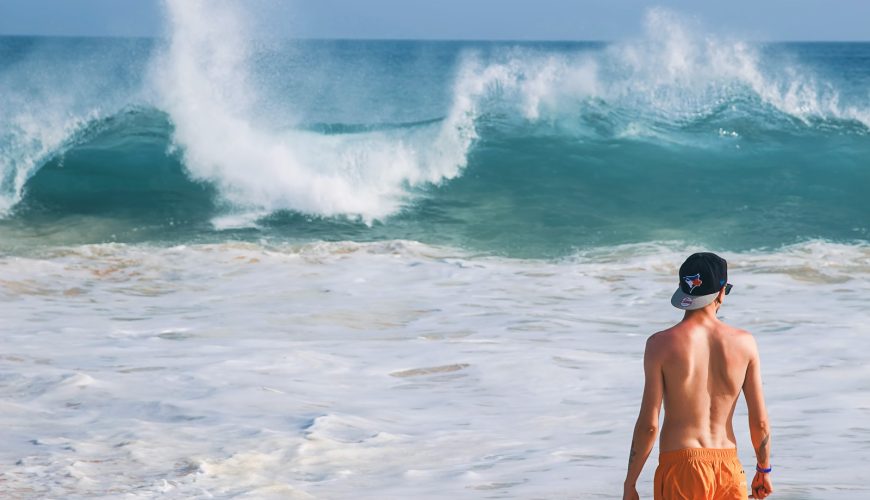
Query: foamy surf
[(395, 369)]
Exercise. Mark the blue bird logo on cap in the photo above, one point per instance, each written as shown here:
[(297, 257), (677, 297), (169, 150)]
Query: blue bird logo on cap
[(693, 281)]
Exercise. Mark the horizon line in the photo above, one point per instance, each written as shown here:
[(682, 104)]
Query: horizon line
[(402, 39)]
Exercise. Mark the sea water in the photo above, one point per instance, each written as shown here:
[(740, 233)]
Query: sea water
[(239, 266)]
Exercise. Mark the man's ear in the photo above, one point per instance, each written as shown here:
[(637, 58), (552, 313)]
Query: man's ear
[(721, 296)]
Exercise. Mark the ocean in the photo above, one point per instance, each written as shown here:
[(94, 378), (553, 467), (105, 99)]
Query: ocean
[(240, 266)]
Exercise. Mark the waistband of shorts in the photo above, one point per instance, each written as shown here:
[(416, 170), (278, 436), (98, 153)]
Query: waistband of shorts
[(703, 454)]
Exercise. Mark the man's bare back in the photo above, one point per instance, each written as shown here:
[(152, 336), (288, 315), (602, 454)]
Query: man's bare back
[(698, 368), (704, 364)]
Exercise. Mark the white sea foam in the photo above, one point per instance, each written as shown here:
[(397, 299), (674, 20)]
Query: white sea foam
[(204, 85), (397, 370), (673, 72)]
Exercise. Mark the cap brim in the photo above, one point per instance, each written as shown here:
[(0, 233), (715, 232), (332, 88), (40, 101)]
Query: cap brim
[(686, 302)]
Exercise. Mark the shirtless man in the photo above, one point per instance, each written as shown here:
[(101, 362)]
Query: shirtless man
[(698, 368)]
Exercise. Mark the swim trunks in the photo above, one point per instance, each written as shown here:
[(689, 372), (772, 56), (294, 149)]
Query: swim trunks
[(700, 473)]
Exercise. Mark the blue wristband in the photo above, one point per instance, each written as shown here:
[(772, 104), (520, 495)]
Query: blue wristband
[(763, 471)]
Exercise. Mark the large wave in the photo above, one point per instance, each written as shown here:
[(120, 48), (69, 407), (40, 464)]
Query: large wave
[(234, 126)]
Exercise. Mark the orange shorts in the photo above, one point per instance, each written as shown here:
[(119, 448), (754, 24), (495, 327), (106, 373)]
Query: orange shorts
[(700, 473)]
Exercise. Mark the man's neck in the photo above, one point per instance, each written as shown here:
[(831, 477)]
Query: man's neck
[(703, 316)]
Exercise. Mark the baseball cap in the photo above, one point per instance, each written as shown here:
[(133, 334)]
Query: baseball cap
[(702, 275)]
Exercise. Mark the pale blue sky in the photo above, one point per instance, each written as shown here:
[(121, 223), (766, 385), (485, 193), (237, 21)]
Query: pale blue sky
[(460, 19)]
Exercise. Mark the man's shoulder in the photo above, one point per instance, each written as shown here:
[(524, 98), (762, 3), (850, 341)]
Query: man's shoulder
[(738, 333), (741, 340), (661, 339), (666, 334)]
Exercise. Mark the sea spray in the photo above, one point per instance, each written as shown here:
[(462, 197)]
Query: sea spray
[(204, 86), (53, 90), (672, 76)]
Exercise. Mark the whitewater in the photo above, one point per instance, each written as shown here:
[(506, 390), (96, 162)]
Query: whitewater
[(245, 266)]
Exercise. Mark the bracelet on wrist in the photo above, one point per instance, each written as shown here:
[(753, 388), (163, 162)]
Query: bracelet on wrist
[(762, 470)]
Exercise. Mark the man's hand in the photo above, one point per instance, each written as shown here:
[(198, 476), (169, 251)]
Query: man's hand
[(761, 486), (630, 493)]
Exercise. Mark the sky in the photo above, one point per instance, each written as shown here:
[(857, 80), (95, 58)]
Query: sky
[(762, 20)]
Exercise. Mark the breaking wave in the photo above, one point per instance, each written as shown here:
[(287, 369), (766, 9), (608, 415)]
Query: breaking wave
[(436, 140)]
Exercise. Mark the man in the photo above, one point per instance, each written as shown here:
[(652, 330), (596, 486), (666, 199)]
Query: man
[(698, 368)]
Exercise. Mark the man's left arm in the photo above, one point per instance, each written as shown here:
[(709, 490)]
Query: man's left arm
[(646, 428)]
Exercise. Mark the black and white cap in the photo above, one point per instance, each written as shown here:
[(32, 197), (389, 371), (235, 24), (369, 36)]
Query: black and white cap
[(701, 277)]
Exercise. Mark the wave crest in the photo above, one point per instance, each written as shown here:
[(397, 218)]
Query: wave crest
[(671, 78), (204, 86)]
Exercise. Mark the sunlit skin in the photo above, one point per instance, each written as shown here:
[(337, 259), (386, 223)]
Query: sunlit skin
[(698, 368)]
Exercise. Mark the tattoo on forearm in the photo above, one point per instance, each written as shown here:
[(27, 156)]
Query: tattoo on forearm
[(631, 454), (762, 448)]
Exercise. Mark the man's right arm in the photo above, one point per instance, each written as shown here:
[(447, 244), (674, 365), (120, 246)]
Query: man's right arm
[(759, 428)]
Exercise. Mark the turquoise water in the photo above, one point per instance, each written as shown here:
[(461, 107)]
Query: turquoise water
[(518, 149)]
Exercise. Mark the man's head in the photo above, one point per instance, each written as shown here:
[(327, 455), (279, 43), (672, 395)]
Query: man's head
[(702, 277)]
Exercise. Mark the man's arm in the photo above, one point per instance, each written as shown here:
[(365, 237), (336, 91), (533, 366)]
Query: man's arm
[(647, 425), (759, 428)]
